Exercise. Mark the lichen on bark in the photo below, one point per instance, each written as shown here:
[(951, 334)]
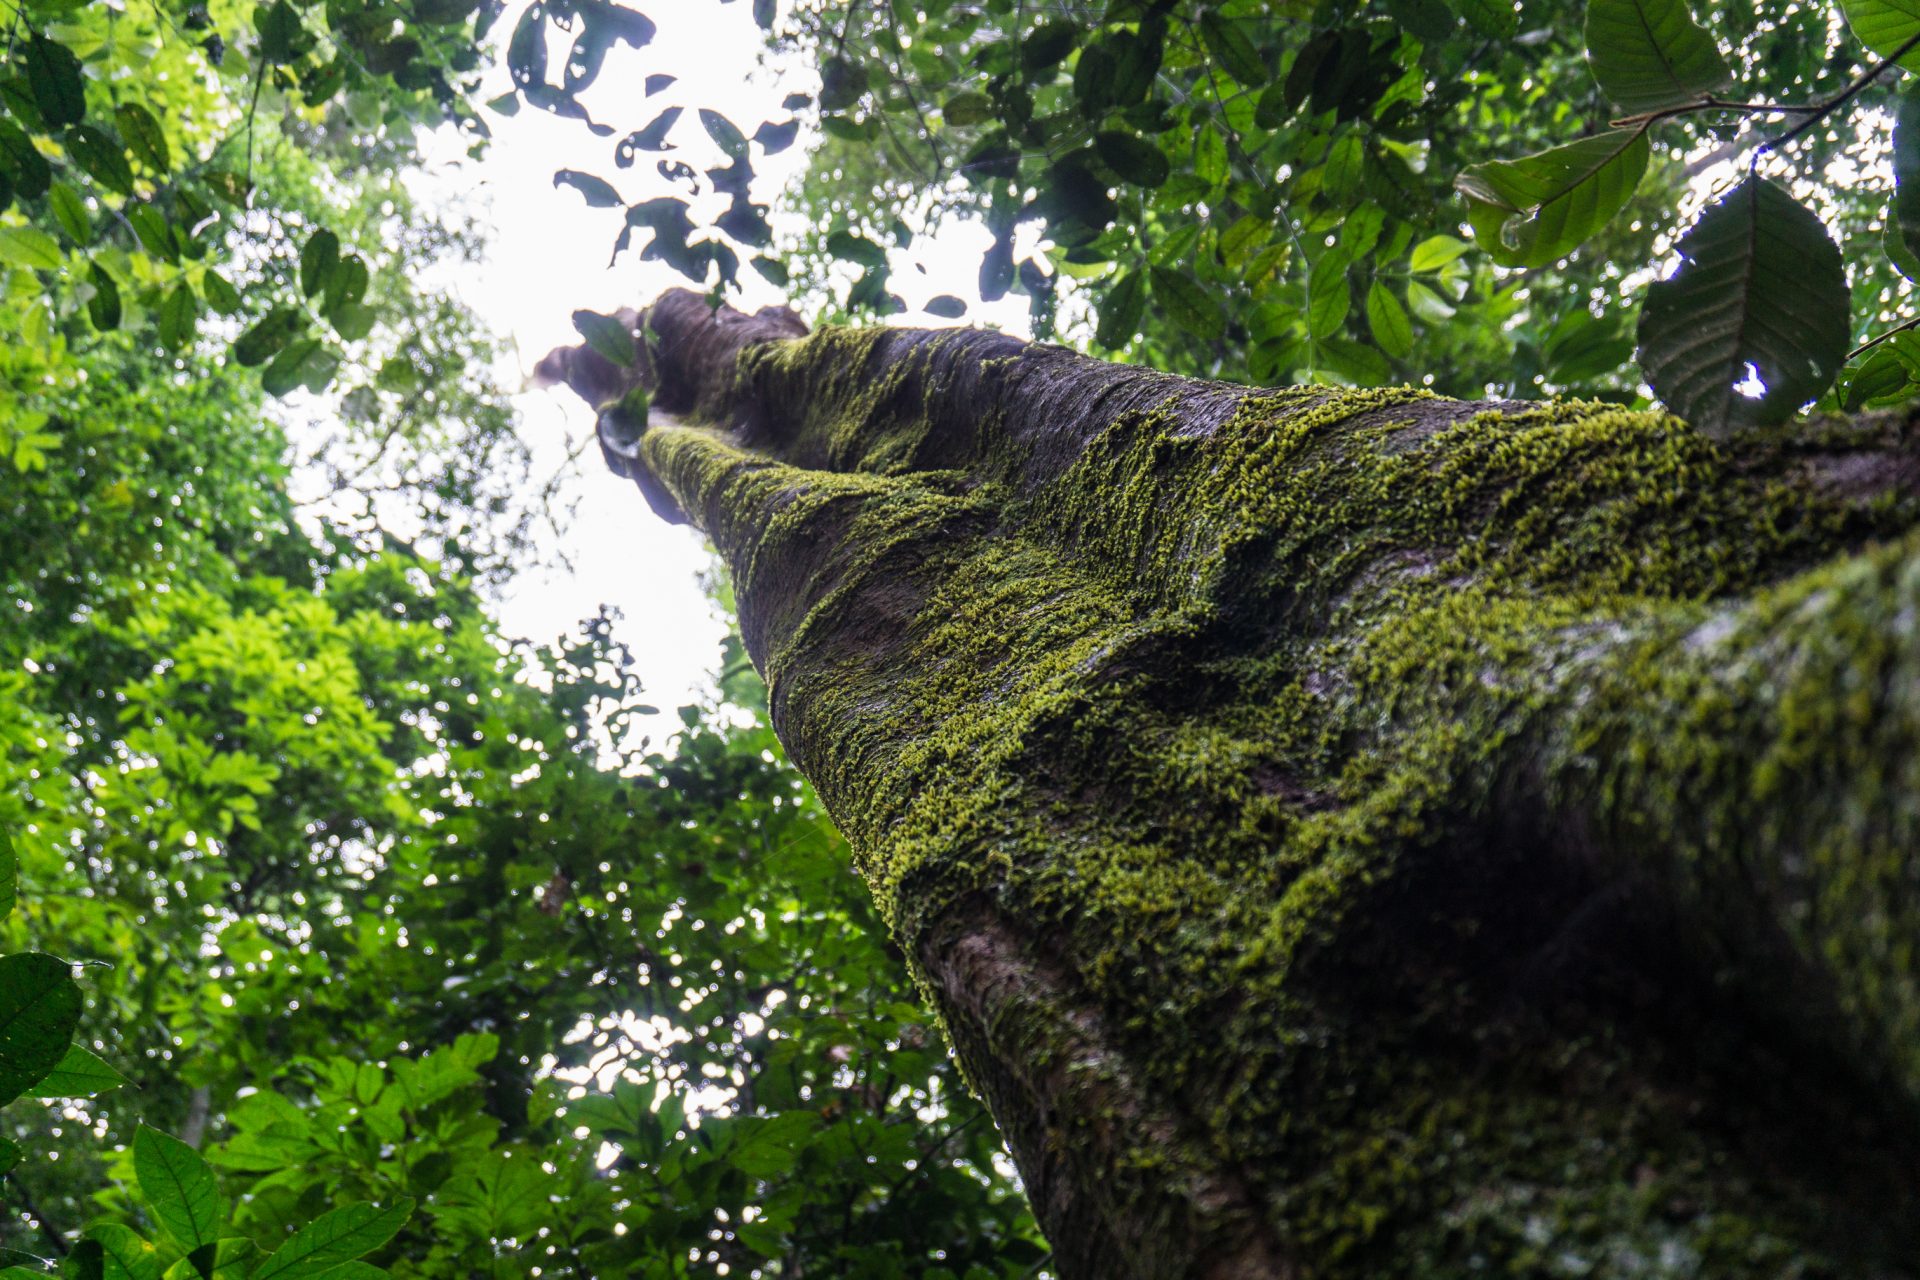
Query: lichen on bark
[(1351, 833)]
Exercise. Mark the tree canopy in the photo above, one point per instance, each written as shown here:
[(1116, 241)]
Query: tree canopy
[(342, 935)]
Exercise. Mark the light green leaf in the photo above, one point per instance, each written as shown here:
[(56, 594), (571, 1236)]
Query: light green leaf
[(128, 1255), (29, 247), (39, 1007), (1755, 323), (1532, 211), (1392, 329), (334, 1238), (70, 211), (1885, 25), (79, 1074), (1649, 54), (179, 1187), (1436, 252)]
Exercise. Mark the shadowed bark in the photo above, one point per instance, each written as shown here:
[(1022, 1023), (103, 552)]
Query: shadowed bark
[(1348, 833)]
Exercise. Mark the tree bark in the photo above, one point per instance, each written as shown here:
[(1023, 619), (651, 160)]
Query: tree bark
[(1348, 833)]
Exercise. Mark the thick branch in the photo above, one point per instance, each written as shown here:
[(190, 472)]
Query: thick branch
[(1352, 833)]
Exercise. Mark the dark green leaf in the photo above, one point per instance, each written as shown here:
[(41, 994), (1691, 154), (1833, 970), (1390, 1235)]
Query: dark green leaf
[(842, 82), (763, 11), (70, 211), (317, 260), (1188, 304), (1649, 54), (724, 132), (599, 192), (39, 1007), (1048, 44), (220, 293), (1755, 322), (775, 138), (282, 37), (855, 248), (651, 138), (1533, 211), (103, 308), (145, 138), (1498, 19), (608, 336), (332, 1239), (79, 1074), (946, 306), (1134, 158), (22, 161), (59, 90), (967, 108), (1230, 47), (772, 270), (1121, 310), (267, 336), (156, 237), (306, 362), (101, 155), (177, 315), (178, 1187)]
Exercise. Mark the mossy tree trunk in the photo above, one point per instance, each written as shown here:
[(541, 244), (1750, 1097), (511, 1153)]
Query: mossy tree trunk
[(1349, 833)]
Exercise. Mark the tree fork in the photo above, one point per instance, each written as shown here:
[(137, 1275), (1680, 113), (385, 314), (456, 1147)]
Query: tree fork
[(1348, 833)]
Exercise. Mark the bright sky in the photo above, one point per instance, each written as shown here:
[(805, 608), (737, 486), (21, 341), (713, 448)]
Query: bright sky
[(548, 256)]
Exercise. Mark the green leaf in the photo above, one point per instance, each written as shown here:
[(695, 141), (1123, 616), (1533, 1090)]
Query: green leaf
[(1532, 211), (268, 335), (1231, 48), (1048, 44), (857, 249), (103, 308), (334, 1238), (946, 306), (606, 335), (1879, 377), (1884, 25), (968, 108), (1904, 222), (1134, 158), (177, 315), (10, 1154), (39, 1008), (1435, 252), (179, 1187), (842, 82), (1392, 329), (1649, 54), (724, 132), (307, 362), (127, 1254), (1755, 323), (70, 211), (221, 295), (59, 90), (1328, 298), (282, 37), (228, 1259), (9, 875), (1121, 310), (79, 1074), (317, 260), (145, 137), (101, 155), (772, 270), (18, 156), (29, 247), (1188, 304), (1497, 19)]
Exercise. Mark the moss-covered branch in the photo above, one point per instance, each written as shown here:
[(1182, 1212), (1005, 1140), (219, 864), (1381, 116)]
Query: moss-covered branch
[(1350, 833)]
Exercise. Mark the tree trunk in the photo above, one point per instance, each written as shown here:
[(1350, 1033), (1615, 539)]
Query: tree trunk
[(1349, 833)]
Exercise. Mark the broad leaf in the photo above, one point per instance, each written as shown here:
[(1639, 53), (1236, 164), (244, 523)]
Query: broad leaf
[(1885, 25), (53, 73), (606, 335), (179, 1187), (1649, 54), (332, 1239), (1392, 329), (1904, 222), (1535, 210), (1188, 304), (599, 192), (80, 1073), (1755, 322), (29, 247), (39, 1007), (126, 1254), (1120, 311), (317, 261)]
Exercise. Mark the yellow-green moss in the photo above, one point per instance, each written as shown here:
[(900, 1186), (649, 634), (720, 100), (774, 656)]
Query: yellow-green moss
[(1266, 730)]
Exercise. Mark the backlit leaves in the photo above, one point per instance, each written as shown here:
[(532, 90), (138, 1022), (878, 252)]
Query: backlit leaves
[(1886, 25), (179, 1186), (1532, 211), (332, 1239), (1755, 322), (1649, 54)]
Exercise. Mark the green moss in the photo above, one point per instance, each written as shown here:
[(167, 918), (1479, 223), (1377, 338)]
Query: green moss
[(1253, 726)]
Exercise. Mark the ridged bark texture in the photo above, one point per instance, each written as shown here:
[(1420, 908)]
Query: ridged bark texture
[(1350, 833)]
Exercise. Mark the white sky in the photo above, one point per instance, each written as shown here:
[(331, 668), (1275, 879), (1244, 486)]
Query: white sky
[(548, 255)]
